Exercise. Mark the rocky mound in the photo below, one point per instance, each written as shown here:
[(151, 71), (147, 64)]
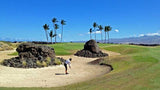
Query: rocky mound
[(32, 56), (91, 49)]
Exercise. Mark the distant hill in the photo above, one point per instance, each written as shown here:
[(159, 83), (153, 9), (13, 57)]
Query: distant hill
[(138, 40)]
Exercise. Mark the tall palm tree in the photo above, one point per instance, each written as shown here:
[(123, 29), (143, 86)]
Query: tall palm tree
[(107, 29), (54, 20), (46, 27), (100, 28), (95, 25), (62, 23), (90, 31), (56, 26)]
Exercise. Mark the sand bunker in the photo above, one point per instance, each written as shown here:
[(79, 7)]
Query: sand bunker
[(52, 76)]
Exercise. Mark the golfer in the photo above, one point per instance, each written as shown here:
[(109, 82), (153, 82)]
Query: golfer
[(65, 64)]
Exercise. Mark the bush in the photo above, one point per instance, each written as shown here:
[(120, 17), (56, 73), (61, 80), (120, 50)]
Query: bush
[(44, 64), (57, 61), (38, 63), (24, 63), (48, 60)]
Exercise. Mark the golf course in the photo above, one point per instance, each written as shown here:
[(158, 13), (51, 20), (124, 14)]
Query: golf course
[(80, 45), (135, 68)]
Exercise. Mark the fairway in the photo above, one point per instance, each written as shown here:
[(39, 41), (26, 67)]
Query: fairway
[(137, 67)]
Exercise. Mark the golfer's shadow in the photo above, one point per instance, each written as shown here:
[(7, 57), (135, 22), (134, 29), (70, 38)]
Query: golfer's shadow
[(60, 74)]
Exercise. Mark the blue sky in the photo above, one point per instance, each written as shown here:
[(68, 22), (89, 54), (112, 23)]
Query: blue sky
[(23, 19)]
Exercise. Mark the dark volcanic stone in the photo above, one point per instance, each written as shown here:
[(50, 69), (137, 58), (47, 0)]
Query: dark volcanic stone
[(30, 53), (91, 49), (30, 50), (92, 46)]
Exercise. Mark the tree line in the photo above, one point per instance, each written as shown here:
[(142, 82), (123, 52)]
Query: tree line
[(100, 28), (56, 27)]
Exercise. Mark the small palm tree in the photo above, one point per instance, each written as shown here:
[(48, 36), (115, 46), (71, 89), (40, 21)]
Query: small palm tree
[(107, 29), (100, 29), (46, 27), (90, 31), (56, 26), (94, 26), (51, 35), (62, 23), (54, 20)]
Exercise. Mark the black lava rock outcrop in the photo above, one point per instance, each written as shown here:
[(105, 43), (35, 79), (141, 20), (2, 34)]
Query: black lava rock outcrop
[(32, 56), (91, 49), (33, 51)]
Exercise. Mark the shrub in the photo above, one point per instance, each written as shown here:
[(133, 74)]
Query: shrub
[(44, 64), (57, 61), (24, 63), (48, 60), (38, 63)]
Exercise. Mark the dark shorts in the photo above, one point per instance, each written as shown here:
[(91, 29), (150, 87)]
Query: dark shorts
[(65, 65)]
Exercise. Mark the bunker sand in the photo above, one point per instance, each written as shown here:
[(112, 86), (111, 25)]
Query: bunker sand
[(52, 76)]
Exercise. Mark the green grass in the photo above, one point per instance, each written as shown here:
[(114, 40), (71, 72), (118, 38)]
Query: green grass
[(66, 48), (137, 68), (13, 54)]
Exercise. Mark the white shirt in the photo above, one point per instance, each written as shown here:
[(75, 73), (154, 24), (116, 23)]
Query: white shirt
[(68, 62)]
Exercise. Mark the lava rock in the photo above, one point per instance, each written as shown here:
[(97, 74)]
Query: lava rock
[(91, 50), (30, 50), (92, 46), (29, 55)]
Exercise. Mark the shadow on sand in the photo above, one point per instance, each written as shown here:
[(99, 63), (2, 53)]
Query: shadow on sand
[(60, 74)]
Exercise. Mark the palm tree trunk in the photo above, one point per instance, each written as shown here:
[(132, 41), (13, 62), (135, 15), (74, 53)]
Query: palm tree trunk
[(95, 34), (46, 35), (55, 36), (101, 36), (51, 40), (108, 36), (105, 37), (62, 34)]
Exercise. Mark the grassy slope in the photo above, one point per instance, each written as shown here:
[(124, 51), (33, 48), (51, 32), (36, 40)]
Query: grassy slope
[(136, 68)]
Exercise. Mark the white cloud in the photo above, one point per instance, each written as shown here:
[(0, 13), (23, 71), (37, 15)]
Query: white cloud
[(59, 35), (116, 30), (150, 34), (140, 35), (80, 34), (153, 34), (97, 32)]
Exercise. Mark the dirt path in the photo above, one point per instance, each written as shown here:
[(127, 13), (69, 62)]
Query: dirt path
[(52, 76)]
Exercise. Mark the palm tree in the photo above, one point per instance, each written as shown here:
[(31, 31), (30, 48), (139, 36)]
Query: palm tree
[(107, 29), (46, 27), (54, 20), (100, 28), (56, 26), (62, 23), (90, 30), (95, 25), (51, 35)]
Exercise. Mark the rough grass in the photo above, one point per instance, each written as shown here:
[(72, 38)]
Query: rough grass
[(137, 68), (7, 45), (13, 54)]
